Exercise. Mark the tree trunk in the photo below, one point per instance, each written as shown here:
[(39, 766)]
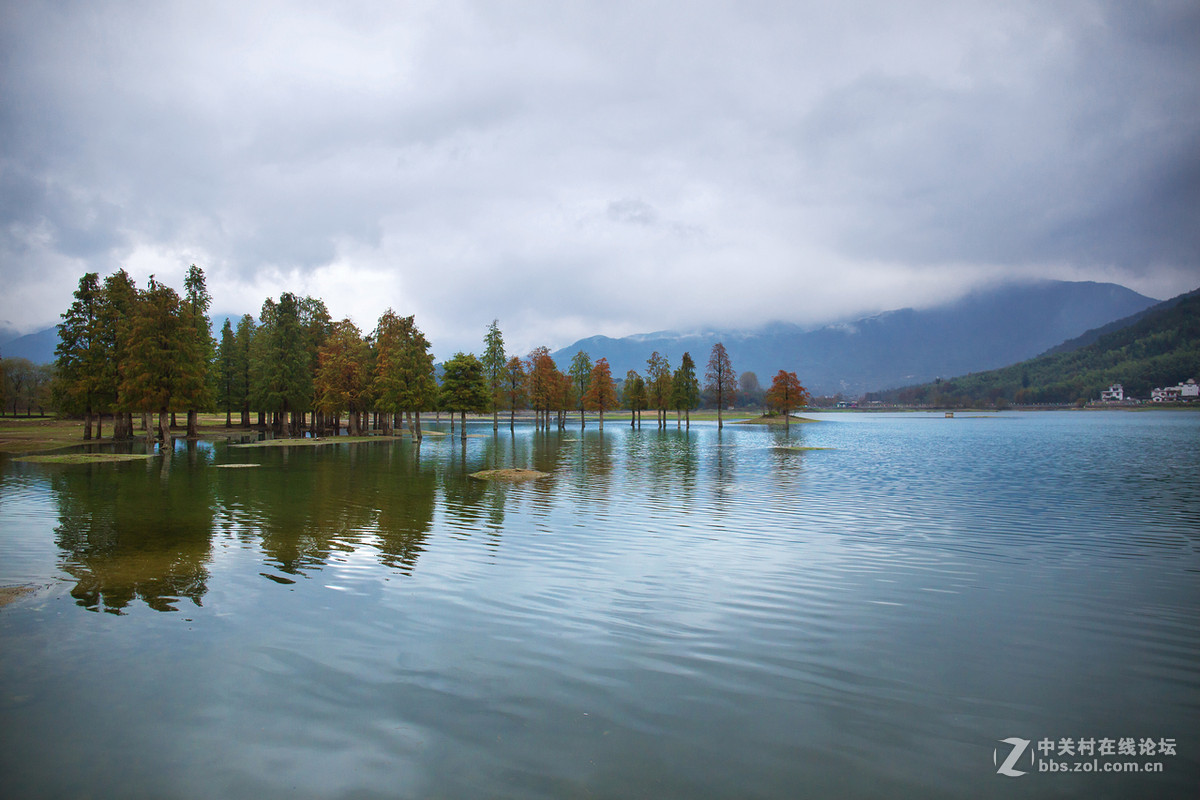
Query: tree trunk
[(99, 424), (228, 417), (87, 425), (601, 419), (688, 414), (417, 425), (464, 425), (164, 429), (193, 424)]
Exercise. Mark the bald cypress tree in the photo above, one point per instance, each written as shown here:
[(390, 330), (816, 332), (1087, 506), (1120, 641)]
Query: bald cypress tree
[(720, 379), (243, 340), (226, 371), (494, 364), (685, 388), (120, 298), (280, 372), (79, 355), (581, 376), (601, 394), (343, 374), (159, 374), (464, 388), (196, 385)]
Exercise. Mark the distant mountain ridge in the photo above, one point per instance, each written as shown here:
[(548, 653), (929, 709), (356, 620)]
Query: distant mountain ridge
[(37, 347), (983, 330), (1157, 347)]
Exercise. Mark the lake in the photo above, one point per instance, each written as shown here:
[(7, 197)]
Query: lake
[(669, 614)]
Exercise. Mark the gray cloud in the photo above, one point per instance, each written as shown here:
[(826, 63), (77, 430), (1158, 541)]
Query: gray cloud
[(574, 169)]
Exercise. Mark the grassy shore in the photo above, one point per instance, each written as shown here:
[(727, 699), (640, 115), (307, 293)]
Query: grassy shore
[(34, 434)]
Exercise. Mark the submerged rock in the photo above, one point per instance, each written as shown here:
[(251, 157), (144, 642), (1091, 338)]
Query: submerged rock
[(509, 475)]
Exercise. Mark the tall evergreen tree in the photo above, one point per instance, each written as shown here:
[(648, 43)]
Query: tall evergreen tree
[(317, 325), (163, 348), (116, 313), (658, 385), (79, 355), (464, 387), (494, 363), (633, 395), (685, 388), (515, 393), (581, 374), (227, 372), (196, 387), (281, 375), (243, 340)]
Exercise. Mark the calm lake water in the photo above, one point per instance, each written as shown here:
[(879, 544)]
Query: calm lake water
[(670, 614)]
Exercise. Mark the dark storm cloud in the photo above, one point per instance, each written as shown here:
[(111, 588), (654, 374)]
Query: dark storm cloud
[(566, 167)]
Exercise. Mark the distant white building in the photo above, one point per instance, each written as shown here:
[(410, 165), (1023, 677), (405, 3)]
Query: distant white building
[(1113, 394), (1184, 392)]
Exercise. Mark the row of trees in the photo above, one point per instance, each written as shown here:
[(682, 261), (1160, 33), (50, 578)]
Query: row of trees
[(125, 351), (24, 386)]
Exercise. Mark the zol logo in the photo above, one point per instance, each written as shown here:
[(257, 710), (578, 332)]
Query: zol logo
[(1018, 749)]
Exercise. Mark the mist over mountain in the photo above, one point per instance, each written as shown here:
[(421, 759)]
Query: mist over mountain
[(981, 331)]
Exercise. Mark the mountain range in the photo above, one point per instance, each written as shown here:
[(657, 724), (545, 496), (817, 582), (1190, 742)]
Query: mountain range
[(1157, 347), (983, 330)]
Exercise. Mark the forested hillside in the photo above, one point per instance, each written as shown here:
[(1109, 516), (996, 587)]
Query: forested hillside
[(1160, 348)]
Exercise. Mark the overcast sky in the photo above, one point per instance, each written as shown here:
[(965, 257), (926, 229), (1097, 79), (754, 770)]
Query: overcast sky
[(574, 168)]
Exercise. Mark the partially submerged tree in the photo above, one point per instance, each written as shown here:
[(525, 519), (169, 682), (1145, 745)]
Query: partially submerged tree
[(494, 364), (116, 313), (601, 394), (545, 385), (162, 346), (343, 375), (581, 375), (685, 388), (226, 371), (243, 339), (403, 380), (658, 385), (79, 355), (195, 375), (720, 379), (281, 381), (786, 394), (633, 396), (464, 388), (515, 393)]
